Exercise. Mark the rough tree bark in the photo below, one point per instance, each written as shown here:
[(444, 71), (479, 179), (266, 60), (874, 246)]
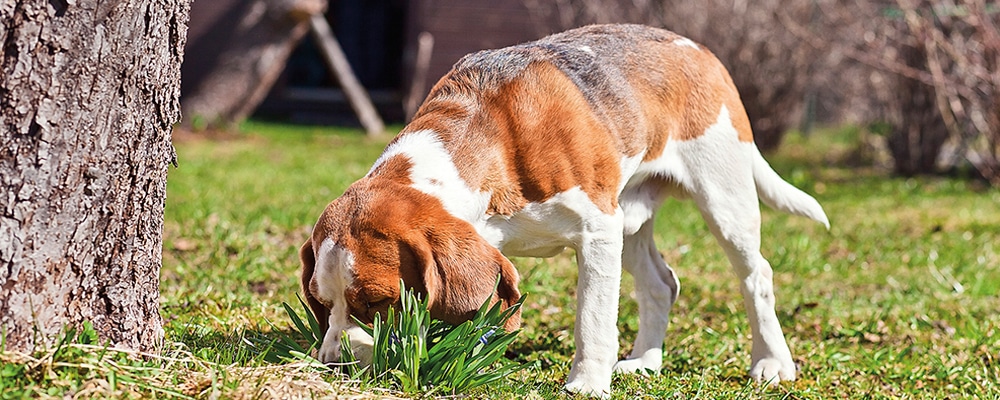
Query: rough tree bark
[(263, 40), (88, 96)]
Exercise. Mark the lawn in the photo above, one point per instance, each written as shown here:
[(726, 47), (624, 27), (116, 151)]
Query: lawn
[(900, 299)]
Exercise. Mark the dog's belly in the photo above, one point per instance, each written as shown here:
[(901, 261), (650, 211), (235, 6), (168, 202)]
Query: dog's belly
[(523, 235), (546, 229), (542, 229), (531, 250)]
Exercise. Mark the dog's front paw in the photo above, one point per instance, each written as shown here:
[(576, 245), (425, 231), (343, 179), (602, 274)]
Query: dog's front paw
[(646, 363), (328, 353), (590, 378), (636, 366), (580, 386), (361, 346), (772, 371)]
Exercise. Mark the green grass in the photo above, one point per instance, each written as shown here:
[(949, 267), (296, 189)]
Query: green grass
[(900, 299)]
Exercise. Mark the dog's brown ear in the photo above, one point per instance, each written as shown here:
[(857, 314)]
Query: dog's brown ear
[(460, 271), (322, 314), (507, 290)]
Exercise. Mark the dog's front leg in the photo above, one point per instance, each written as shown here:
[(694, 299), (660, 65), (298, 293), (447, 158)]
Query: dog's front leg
[(599, 258)]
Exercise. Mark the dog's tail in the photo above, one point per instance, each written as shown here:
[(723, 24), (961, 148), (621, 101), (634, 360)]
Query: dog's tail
[(781, 195)]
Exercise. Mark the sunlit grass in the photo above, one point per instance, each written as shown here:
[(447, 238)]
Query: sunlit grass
[(900, 299)]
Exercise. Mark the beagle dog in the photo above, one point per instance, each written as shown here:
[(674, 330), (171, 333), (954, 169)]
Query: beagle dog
[(573, 141)]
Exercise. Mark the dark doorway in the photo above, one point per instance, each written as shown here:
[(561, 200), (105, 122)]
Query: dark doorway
[(372, 34)]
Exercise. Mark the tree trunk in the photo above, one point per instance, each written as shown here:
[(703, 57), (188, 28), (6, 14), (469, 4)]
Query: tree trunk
[(88, 96), (263, 40), (918, 130)]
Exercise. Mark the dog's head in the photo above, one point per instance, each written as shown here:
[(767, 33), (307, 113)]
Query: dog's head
[(380, 232)]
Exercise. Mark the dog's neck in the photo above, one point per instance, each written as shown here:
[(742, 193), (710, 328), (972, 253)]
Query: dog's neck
[(465, 180)]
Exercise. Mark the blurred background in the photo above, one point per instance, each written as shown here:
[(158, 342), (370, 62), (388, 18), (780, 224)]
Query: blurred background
[(918, 80)]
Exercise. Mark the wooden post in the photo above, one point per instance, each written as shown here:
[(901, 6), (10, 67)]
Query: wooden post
[(341, 69), (425, 46), (251, 60)]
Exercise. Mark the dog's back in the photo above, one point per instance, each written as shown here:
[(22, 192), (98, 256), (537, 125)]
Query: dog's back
[(643, 84), (596, 95)]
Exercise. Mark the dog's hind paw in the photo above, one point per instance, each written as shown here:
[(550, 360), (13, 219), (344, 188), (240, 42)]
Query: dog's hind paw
[(772, 371)]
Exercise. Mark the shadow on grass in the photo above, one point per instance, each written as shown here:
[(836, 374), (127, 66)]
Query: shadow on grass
[(242, 347)]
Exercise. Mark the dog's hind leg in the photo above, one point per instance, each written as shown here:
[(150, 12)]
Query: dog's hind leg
[(734, 219), (733, 215), (722, 185), (656, 289)]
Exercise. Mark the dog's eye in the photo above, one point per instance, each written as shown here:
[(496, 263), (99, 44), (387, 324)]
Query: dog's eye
[(378, 303), (377, 306)]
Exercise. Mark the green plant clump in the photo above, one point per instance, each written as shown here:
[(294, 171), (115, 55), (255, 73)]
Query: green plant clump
[(416, 352)]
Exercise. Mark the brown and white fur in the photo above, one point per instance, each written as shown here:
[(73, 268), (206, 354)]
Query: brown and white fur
[(570, 141)]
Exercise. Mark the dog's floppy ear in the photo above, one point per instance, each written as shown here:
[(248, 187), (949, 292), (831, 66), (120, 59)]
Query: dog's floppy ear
[(460, 270), (308, 258), (507, 290)]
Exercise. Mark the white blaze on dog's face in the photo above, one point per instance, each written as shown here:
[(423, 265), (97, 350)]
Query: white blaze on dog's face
[(333, 275), (382, 231)]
